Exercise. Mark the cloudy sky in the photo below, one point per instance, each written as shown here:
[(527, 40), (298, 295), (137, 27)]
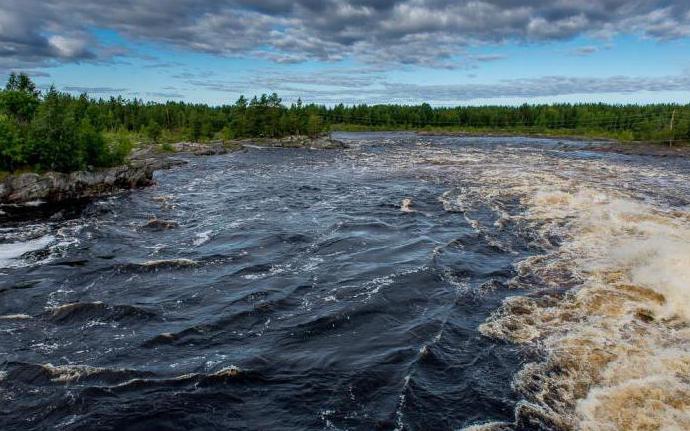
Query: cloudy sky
[(445, 52)]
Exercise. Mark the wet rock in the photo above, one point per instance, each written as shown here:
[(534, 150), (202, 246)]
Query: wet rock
[(200, 149), (84, 311), (55, 187), (158, 224), (406, 205), (297, 141)]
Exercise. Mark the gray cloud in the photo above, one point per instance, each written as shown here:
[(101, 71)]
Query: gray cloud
[(539, 87), (427, 32), (548, 86), (164, 95), (94, 90), (585, 50)]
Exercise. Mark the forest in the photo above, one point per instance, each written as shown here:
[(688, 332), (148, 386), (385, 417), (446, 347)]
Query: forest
[(53, 130)]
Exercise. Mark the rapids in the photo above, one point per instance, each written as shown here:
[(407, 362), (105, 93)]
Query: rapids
[(405, 283)]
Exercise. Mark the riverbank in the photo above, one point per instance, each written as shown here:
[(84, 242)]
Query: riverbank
[(615, 138), (34, 189)]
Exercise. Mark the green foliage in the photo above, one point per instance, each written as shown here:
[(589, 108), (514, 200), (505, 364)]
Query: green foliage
[(314, 125), (11, 148), (624, 122), (153, 130), (62, 132), (54, 135), (20, 98), (119, 148), (54, 131), (95, 151)]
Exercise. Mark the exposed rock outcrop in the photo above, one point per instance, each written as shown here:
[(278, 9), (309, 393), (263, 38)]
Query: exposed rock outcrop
[(54, 187), (198, 149), (296, 141)]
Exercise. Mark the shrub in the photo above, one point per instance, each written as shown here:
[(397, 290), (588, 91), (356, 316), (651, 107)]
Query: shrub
[(11, 146)]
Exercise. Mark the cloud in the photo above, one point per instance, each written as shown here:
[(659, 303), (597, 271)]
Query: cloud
[(484, 58), (164, 95), (35, 33), (382, 92), (585, 50), (94, 90), (538, 87)]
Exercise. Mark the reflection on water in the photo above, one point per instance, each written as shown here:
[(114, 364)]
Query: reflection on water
[(405, 283)]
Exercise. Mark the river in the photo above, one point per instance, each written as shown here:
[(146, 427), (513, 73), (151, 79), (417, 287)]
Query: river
[(405, 283)]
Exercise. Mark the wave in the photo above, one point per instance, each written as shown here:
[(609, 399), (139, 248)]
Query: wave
[(35, 374), (155, 265), (202, 238), (80, 311), (615, 349), (11, 253), (15, 317), (116, 378)]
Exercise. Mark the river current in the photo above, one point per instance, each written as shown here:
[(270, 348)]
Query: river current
[(405, 283)]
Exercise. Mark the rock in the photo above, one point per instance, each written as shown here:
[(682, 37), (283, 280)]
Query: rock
[(199, 149), (54, 187), (328, 143), (296, 141), (158, 224), (406, 206)]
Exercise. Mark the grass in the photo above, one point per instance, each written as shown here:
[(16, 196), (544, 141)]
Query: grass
[(167, 148)]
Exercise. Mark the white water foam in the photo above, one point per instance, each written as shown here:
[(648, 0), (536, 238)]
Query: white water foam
[(11, 253), (613, 352)]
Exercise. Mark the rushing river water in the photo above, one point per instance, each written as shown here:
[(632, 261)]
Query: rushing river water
[(408, 283)]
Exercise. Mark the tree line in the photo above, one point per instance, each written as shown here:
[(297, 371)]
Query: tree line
[(58, 131), (53, 130), (626, 122)]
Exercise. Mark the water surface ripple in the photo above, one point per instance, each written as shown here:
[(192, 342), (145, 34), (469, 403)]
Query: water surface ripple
[(297, 289)]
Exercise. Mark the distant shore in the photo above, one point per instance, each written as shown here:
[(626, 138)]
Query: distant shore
[(598, 143), (564, 134), (34, 189)]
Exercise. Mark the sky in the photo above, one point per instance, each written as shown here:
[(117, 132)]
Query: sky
[(443, 52)]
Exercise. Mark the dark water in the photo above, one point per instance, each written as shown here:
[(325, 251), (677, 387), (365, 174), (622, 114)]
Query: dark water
[(290, 292)]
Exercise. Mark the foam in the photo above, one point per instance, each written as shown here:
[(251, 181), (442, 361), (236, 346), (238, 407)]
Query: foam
[(406, 206), (608, 326), (202, 237), (616, 348), (11, 253)]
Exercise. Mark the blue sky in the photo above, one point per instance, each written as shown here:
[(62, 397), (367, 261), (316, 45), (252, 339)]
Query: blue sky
[(411, 51)]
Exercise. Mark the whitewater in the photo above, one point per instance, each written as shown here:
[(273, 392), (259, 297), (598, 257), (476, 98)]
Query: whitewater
[(405, 283)]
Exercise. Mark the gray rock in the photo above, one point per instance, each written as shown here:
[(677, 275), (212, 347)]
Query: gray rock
[(199, 149), (296, 141), (54, 187)]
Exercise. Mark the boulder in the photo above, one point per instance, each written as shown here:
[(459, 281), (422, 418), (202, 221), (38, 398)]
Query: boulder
[(54, 187)]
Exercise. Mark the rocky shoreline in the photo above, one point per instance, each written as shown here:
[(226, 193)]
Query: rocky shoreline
[(32, 189), (52, 187), (318, 143)]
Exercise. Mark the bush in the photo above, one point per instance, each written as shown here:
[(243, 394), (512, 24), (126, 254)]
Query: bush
[(11, 146), (153, 131), (95, 151), (120, 149), (54, 141), (53, 132)]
